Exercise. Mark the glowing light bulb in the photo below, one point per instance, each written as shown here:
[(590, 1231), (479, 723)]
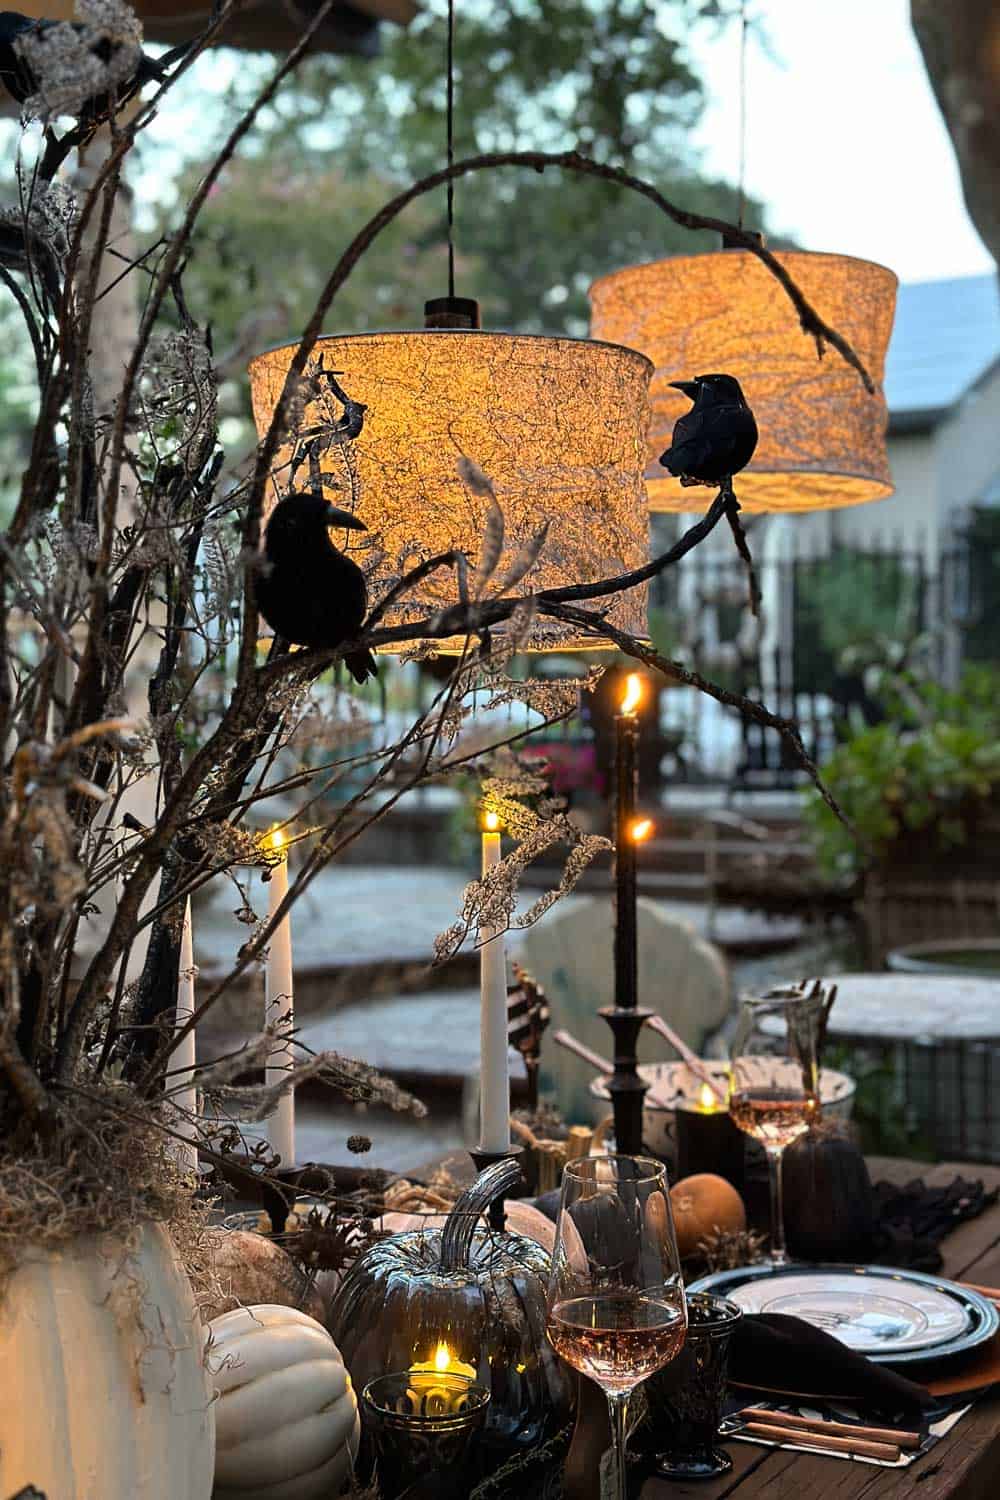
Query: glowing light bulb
[(640, 830), (633, 693)]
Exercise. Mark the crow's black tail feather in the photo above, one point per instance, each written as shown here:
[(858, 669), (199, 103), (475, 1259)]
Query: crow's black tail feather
[(361, 665)]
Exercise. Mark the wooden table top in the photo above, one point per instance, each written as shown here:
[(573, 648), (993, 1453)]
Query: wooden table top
[(965, 1464)]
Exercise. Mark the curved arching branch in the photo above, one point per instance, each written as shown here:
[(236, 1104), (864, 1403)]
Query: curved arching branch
[(571, 161)]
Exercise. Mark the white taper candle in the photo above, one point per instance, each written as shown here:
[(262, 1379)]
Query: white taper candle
[(183, 1091), (494, 1078), (279, 1007)]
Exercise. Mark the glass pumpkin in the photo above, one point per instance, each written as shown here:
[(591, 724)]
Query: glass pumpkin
[(463, 1299)]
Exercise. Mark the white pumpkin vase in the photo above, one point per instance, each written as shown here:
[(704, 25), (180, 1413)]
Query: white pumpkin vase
[(104, 1393), (287, 1423)]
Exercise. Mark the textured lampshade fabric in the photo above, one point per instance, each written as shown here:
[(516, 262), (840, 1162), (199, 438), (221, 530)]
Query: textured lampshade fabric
[(558, 425), (822, 436)]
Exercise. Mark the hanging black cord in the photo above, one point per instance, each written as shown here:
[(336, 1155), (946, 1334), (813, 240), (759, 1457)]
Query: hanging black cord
[(451, 146), (741, 205)]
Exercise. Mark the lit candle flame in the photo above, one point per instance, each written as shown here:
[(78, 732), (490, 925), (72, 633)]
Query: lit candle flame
[(640, 830), (706, 1098), (633, 693), (442, 1362), (491, 822), (277, 838)]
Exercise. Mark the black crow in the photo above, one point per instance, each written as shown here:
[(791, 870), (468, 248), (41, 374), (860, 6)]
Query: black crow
[(17, 76), (309, 592), (717, 437)]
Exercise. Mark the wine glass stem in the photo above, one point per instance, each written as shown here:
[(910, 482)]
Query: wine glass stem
[(618, 1412), (779, 1255)]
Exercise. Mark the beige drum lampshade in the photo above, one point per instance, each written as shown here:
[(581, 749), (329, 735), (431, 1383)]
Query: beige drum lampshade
[(558, 425), (822, 436)]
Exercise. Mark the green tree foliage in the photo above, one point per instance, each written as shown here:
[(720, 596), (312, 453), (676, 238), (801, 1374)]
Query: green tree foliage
[(917, 786), (852, 609), (608, 76)]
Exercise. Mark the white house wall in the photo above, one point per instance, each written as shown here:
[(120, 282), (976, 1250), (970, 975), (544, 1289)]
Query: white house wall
[(912, 513), (967, 450)]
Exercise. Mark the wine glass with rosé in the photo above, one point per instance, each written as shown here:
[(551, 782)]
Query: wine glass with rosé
[(616, 1309), (774, 1082)]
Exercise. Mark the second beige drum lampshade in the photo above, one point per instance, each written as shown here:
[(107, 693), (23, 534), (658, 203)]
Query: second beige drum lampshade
[(558, 425), (822, 436)]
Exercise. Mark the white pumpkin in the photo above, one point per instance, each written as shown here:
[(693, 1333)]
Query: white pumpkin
[(103, 1386), (287, 1424)]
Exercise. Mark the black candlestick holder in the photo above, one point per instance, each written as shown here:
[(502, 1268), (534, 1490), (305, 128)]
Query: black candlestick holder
[(627, 1089), (482, 1159)]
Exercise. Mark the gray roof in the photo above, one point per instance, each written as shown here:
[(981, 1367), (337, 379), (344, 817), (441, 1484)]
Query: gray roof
[(946, 336)]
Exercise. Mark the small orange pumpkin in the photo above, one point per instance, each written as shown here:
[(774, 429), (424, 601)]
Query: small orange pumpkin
[(703, 1203)]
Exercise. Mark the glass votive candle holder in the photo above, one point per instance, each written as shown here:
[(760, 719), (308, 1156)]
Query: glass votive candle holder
[(423, 1430), (686, 1399), (707, 1140)]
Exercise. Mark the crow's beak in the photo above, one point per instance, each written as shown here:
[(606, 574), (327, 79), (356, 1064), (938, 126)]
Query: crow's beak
[(337, 518), (689, 387)]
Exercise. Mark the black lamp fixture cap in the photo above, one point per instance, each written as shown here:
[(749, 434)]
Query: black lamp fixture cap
[(452, 312), (729, 243)]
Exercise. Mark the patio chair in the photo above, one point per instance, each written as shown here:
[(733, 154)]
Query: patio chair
[(570, 954)]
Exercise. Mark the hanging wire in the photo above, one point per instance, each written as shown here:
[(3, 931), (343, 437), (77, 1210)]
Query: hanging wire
[(451, 146), (743, 113)]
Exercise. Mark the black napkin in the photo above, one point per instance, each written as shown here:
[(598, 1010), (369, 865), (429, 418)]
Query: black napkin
[(913, 1219), (788, 1354)]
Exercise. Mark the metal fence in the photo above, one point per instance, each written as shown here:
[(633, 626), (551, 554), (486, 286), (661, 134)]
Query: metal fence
[(828, 622)]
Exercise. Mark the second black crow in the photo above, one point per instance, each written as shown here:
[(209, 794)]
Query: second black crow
[(307, 590), (717, 437)]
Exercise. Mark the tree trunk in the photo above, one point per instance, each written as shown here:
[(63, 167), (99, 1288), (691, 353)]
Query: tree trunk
[(960, 43)]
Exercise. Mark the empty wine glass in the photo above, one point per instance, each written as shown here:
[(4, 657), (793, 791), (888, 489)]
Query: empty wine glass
[(774, 1083), (616, 1308)]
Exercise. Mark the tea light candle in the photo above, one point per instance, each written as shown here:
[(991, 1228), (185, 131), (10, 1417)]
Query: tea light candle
[(432, 1383), (707, 1139)]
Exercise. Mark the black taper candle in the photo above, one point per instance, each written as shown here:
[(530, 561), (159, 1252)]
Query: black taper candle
[(624, 1017), (626, 939)]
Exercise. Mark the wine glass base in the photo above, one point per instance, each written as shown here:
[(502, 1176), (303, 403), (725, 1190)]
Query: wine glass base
[(706, 1465)]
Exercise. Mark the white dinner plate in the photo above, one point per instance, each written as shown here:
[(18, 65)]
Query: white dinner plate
[(885, 1314)]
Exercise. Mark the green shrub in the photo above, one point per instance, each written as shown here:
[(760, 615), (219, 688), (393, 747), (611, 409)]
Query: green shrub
[(921, 778)]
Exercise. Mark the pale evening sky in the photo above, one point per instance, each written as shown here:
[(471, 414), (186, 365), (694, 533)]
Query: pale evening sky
[(845, 142)]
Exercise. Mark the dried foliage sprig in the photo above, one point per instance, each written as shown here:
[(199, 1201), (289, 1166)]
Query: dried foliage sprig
[(129, 563)]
